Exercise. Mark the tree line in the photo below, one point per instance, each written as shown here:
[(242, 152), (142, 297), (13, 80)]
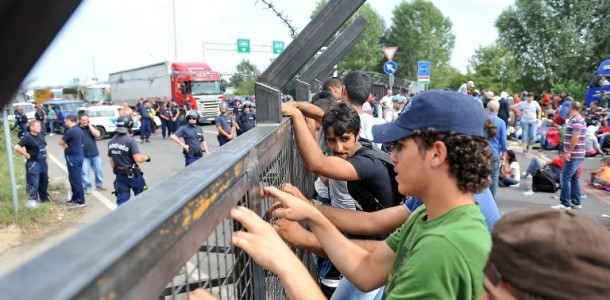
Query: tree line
[(552, 45)]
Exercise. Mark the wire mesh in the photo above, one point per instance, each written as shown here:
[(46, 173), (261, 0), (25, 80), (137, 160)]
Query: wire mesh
[(228, 272)]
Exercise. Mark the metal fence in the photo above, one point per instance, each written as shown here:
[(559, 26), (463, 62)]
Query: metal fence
[(226, 271), (139, 250)]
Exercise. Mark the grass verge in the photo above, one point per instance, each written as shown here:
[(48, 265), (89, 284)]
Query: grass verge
[(32, 222)]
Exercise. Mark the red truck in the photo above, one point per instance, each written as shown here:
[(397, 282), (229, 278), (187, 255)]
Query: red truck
[(195, 81)]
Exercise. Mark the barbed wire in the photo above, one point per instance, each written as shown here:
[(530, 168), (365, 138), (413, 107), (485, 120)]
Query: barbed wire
[(287, 22)]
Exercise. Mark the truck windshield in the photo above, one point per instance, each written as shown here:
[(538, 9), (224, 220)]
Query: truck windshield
[(95, 94), (205, 88)]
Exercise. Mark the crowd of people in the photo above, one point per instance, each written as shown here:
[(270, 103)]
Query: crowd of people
[(405, 202), (178, 123), (422, 222)]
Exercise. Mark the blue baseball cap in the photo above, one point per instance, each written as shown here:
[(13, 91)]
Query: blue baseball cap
[(445, 111)]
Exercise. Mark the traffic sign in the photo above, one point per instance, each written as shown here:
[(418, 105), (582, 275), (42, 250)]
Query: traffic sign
[(75, 80), (389, 52), (278, 47), (390, 67), (423, 72), (243, 46)]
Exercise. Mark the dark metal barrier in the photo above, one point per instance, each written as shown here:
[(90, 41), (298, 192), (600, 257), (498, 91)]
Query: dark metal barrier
[(136, 250)]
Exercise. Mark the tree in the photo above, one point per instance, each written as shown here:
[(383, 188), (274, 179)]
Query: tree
[(245, 77), (495, 68), (445, 76), (562, 40), (366, 55), (421, 32)]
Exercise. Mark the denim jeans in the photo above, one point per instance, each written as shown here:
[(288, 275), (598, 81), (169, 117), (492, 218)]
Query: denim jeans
[(507, 181), (95, 163), (535, 165), (346, 290), (495, 173), (570, 187), (529, 131)]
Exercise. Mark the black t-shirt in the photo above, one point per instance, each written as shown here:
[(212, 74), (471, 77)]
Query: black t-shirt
[(193, 136), (74, 138), (121, 149), (33, 145), (89, 142), (376, 180)]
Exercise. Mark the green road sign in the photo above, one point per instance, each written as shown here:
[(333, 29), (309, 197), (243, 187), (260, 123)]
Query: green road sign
[(243, 46), (278, 47), (75, 80)]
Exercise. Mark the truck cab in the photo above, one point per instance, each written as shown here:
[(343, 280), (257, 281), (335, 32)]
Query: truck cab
[(200, 86), (595, 87)]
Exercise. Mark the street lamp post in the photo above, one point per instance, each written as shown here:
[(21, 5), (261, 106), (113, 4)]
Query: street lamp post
[(175, 42)]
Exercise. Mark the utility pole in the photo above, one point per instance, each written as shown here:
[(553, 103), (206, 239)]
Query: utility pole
[(175, 38)]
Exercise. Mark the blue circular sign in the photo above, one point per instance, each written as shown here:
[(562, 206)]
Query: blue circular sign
[(390, 67)]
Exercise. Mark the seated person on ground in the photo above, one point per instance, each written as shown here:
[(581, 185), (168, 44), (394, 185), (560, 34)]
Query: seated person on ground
[(510, 173), (601, 177)]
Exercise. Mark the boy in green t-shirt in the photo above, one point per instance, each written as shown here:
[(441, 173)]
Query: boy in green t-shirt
[(442, 157)]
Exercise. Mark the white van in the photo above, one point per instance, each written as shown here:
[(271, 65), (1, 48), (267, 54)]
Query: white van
[(28, 108), (104, 118)]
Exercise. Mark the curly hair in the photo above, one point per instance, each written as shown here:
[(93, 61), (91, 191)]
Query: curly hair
[(469, 157), (490, 128)]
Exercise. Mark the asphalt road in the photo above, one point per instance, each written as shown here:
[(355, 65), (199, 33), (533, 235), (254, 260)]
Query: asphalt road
[(166, 160)]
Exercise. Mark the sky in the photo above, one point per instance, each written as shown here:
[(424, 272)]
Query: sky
[(106, 36)]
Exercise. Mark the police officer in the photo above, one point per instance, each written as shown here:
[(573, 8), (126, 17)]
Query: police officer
[(21, 121), (124, 156), (145, 112), (194, 143), (224, 125), (174, 113), (34, 149), (72, 142), (246, 120)]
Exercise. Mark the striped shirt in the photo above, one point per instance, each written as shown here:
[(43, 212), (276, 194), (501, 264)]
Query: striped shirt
[(576, 125)]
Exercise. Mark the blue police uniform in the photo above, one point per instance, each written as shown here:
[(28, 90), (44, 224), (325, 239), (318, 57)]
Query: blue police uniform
[(174, 125), (246, 122), (193, 137), (22, 123), (74, 160), (226, 123), (121, 149), (36, 168), (145, 122)]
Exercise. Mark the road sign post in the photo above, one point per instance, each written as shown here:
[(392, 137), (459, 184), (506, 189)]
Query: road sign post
[(423, 72), (243, 46), (389, 52), (278, 47)]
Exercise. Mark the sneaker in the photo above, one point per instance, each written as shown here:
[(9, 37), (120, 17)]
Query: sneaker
[(560, 206), (147, 140), (88, 192), (102, 188), (52, 134), (76, 205), (514, 185), (31, 204), (576, 206)]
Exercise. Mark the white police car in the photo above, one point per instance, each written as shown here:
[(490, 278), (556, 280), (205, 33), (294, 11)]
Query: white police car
[(104, 117)]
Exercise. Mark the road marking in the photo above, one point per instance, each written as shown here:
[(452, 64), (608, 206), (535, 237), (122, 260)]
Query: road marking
[(208, 131), (99, 196)]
